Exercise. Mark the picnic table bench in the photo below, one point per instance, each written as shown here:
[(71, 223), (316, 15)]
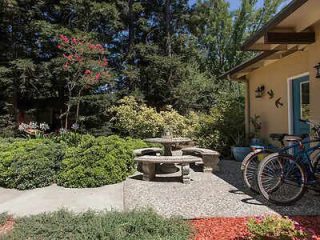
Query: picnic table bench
[(210, 158), (147, 151), (149, 162), (152, 151)]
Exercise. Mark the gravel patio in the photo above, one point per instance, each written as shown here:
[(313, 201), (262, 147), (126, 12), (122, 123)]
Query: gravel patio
[(208, 195)]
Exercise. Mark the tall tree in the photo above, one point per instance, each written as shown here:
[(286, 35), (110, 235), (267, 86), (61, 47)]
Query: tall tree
[(221, 32)]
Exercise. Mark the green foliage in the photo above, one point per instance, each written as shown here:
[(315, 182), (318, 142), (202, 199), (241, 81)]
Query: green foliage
[(3, 218), (172, 53), (197, 91), (221, 32), (142, 225), (68, 138), (93, 115), (257, 125), (95, 162), (136, 119), (274, 227), (224, 125), (70, 159), (27, 164), (7, 121)]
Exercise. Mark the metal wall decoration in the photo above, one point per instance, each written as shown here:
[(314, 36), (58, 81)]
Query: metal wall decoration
[(271, 94), (317, 67), (278, 103), (260, 91)]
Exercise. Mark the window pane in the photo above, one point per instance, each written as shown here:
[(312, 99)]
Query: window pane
[(305, 101)]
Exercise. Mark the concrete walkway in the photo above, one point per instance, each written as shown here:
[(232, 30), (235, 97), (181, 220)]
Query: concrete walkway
[(208, 195), (52, 198)]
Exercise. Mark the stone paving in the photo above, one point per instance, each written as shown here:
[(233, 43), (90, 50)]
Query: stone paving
[(208, 195)]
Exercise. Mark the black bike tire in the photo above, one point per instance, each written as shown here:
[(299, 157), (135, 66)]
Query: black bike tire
[(250, 157), (316, 166), (265, 194)]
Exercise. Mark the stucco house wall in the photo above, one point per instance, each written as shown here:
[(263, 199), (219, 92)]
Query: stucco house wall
[(276, 76)]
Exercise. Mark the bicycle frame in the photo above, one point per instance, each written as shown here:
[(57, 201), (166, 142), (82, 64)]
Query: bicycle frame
[(303, 155)]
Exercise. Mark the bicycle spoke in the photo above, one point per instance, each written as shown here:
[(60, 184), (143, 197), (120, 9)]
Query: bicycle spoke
[(281, 179)]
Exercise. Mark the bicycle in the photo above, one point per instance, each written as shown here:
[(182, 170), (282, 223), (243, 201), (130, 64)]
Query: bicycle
[(283, 177), (249, 166)]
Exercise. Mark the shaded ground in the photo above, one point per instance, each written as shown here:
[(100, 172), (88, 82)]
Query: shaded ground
[(208, 195)]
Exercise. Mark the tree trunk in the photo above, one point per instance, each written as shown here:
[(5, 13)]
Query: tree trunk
[(131, 27), (67, 116), (167, 20), (68, 109), (78, 105)]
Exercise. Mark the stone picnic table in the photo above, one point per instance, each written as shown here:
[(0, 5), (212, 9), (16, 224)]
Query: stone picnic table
[(167, 143)]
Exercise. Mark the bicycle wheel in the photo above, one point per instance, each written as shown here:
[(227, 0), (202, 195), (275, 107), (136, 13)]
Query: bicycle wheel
[(281, 180), (249, 168), (316, 166)]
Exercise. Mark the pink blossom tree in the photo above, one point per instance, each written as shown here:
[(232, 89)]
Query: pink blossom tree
[(86, 66)]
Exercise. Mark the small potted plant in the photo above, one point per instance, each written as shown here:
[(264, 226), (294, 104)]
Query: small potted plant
[(255, 135), (241, 148)]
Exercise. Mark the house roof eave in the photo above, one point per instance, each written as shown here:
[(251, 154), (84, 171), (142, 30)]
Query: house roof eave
[(284, 13)]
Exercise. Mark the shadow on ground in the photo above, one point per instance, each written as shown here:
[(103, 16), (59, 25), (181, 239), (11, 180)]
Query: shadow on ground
[(208, 195), (231, 173)]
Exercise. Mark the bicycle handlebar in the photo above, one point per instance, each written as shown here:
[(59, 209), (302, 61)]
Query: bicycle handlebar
[(314, 125)]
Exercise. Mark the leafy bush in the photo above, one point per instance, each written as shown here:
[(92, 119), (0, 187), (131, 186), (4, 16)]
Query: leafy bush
[(98, 161), (136, 119), (223, 126), (142, 225), (68, 138), (27, 164), (3, 218), (274, 227)]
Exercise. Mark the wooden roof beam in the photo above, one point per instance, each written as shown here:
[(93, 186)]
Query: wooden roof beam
[(289, 37), (268, 47)]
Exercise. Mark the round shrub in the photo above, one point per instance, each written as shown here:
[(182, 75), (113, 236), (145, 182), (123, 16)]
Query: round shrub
[(27, 164), (98, 161)]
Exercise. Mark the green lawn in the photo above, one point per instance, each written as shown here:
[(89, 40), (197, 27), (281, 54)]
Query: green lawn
[(139, 225)]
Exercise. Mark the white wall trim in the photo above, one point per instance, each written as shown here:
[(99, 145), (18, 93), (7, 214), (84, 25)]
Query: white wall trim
[(290, 107)]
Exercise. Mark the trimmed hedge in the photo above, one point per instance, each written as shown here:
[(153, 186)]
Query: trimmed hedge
[(98, 161), (27, 164), (73, 160)]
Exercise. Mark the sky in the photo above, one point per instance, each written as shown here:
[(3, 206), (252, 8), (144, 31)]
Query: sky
[(234, 4)]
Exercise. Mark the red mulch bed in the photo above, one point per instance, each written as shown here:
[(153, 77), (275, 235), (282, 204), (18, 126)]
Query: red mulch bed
[(235, 228), (8, 226)]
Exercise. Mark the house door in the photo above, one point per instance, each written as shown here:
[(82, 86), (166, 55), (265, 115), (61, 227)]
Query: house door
[(300, 105)]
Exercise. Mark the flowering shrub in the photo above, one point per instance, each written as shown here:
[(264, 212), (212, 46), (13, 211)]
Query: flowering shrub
[(274, 227), (34, 125), (86, 65), (136, 119), (33, 129)]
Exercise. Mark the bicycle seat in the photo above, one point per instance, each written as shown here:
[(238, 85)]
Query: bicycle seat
[(278, 136), (295, 138)]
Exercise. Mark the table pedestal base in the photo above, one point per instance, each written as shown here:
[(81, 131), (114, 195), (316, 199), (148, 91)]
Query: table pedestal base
[(168, 168)]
